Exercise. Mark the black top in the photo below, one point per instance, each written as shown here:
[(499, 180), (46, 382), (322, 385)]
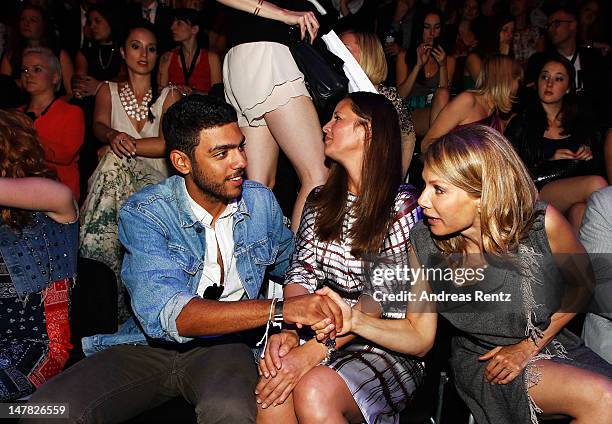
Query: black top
[(245, 27), (103, 61)]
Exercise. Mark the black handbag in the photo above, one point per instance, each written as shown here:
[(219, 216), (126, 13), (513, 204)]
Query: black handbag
[(323, 72), (553, 170)]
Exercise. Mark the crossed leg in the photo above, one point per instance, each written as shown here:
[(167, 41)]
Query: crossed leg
[(320, 396)]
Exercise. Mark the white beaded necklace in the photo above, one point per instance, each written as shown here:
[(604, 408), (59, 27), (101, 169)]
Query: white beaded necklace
[(131, 105)]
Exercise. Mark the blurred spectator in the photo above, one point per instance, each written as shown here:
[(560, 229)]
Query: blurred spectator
[(368, 51), (590, 68), (423, 70), (527, 37), (60, 126), (127, 117), (72, 22), (591, 29), (466, 39), (35, 30), (100, 60), (499, 40), (189, 65), (159, 15), (495, 92), (35, 274), (557, 143)]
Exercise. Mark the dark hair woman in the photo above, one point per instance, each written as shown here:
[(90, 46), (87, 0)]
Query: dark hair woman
[(362, 212), (100, 60), (189, 65), (557, 143), (35, 30), (424, 72), (127, 117), (38, 252)]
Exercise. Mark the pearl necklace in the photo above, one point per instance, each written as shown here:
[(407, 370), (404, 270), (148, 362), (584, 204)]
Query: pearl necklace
[(131, 105)]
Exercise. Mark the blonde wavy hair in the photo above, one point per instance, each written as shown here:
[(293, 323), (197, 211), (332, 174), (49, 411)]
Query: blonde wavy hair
[(496, 79), (480, 161), (373, 60)]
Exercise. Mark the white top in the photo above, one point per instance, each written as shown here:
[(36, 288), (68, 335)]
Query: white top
[(219, 238), (121, 122)]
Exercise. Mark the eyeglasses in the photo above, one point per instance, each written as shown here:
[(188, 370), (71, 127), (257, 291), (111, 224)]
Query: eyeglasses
[(213, 292), (557, 23)]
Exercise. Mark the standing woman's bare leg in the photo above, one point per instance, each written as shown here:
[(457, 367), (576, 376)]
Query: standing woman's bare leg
[(262, 155), (296, 128)]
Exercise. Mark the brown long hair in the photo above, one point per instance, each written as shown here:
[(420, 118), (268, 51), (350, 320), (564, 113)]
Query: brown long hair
[(381, 175), (21, 155)]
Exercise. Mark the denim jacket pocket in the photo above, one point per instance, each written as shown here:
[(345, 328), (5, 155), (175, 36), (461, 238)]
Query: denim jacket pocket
[(263, 252), (188, 263)]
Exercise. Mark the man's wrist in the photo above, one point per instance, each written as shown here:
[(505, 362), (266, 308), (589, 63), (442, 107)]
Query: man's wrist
[(531, 346)]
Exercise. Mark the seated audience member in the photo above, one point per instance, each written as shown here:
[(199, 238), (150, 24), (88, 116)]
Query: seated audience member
[(494, 94), (361, 212), (527, 38), (596, 236), (38, 251), (35, 30), (127, 117), (592, 26), (503, 26), (509, 367), (423, 73), (197, 249), (466, 39), (368, 51), (60, 126), (189, 65), (556, 142), (100, 59), (158, 14), (590, 69)]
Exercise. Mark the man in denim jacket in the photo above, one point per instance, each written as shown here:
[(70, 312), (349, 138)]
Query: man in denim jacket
[(197, 248)]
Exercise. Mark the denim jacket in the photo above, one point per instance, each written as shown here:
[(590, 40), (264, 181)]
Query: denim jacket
[(41, 253), (164, 256)]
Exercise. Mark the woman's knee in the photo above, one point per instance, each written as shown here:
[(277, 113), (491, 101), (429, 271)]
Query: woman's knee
[(314, 395), (594, 183)]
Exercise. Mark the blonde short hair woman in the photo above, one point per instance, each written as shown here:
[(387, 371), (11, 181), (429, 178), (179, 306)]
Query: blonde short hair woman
[(495, 89)]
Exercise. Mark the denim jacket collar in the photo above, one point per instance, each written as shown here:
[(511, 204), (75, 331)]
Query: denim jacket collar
[(186, 215)]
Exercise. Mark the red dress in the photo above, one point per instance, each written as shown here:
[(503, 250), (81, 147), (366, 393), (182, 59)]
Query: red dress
[(60, 131), (199, 79)]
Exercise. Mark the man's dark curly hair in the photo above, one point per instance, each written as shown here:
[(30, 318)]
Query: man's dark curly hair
[(184, 120)]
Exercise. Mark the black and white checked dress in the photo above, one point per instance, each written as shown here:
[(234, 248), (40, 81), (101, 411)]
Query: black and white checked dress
[(381, 381)]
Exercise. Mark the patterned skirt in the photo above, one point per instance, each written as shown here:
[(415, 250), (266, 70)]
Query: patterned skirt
[(381, 382)]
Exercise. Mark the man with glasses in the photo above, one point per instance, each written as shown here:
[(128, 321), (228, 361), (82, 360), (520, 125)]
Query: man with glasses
[(198, 247)]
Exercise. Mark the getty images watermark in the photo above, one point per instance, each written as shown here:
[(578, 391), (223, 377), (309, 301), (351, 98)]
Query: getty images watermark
[(395, 283)]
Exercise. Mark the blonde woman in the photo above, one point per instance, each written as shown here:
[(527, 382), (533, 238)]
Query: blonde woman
[(495, 89), (512, 361), (369, 53)]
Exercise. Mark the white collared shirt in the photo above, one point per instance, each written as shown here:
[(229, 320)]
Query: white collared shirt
[(221, 237)]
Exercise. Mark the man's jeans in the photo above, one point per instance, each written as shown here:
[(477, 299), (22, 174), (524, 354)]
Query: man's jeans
[(121, 382)]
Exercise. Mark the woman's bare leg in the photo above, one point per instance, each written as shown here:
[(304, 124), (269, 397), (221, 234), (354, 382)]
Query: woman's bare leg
[(323, 396), (296, 128), (262, 155), (581, 394), (421, 118), (283, 413), (565, 193), (408, 143)]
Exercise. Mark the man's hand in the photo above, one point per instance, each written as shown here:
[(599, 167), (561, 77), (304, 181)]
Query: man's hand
[(507, 362), (278, 346), (325, 328), (275, 390), (310, 309)]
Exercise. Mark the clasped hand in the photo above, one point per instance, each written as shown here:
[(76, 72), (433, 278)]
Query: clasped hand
[(507, 362)]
